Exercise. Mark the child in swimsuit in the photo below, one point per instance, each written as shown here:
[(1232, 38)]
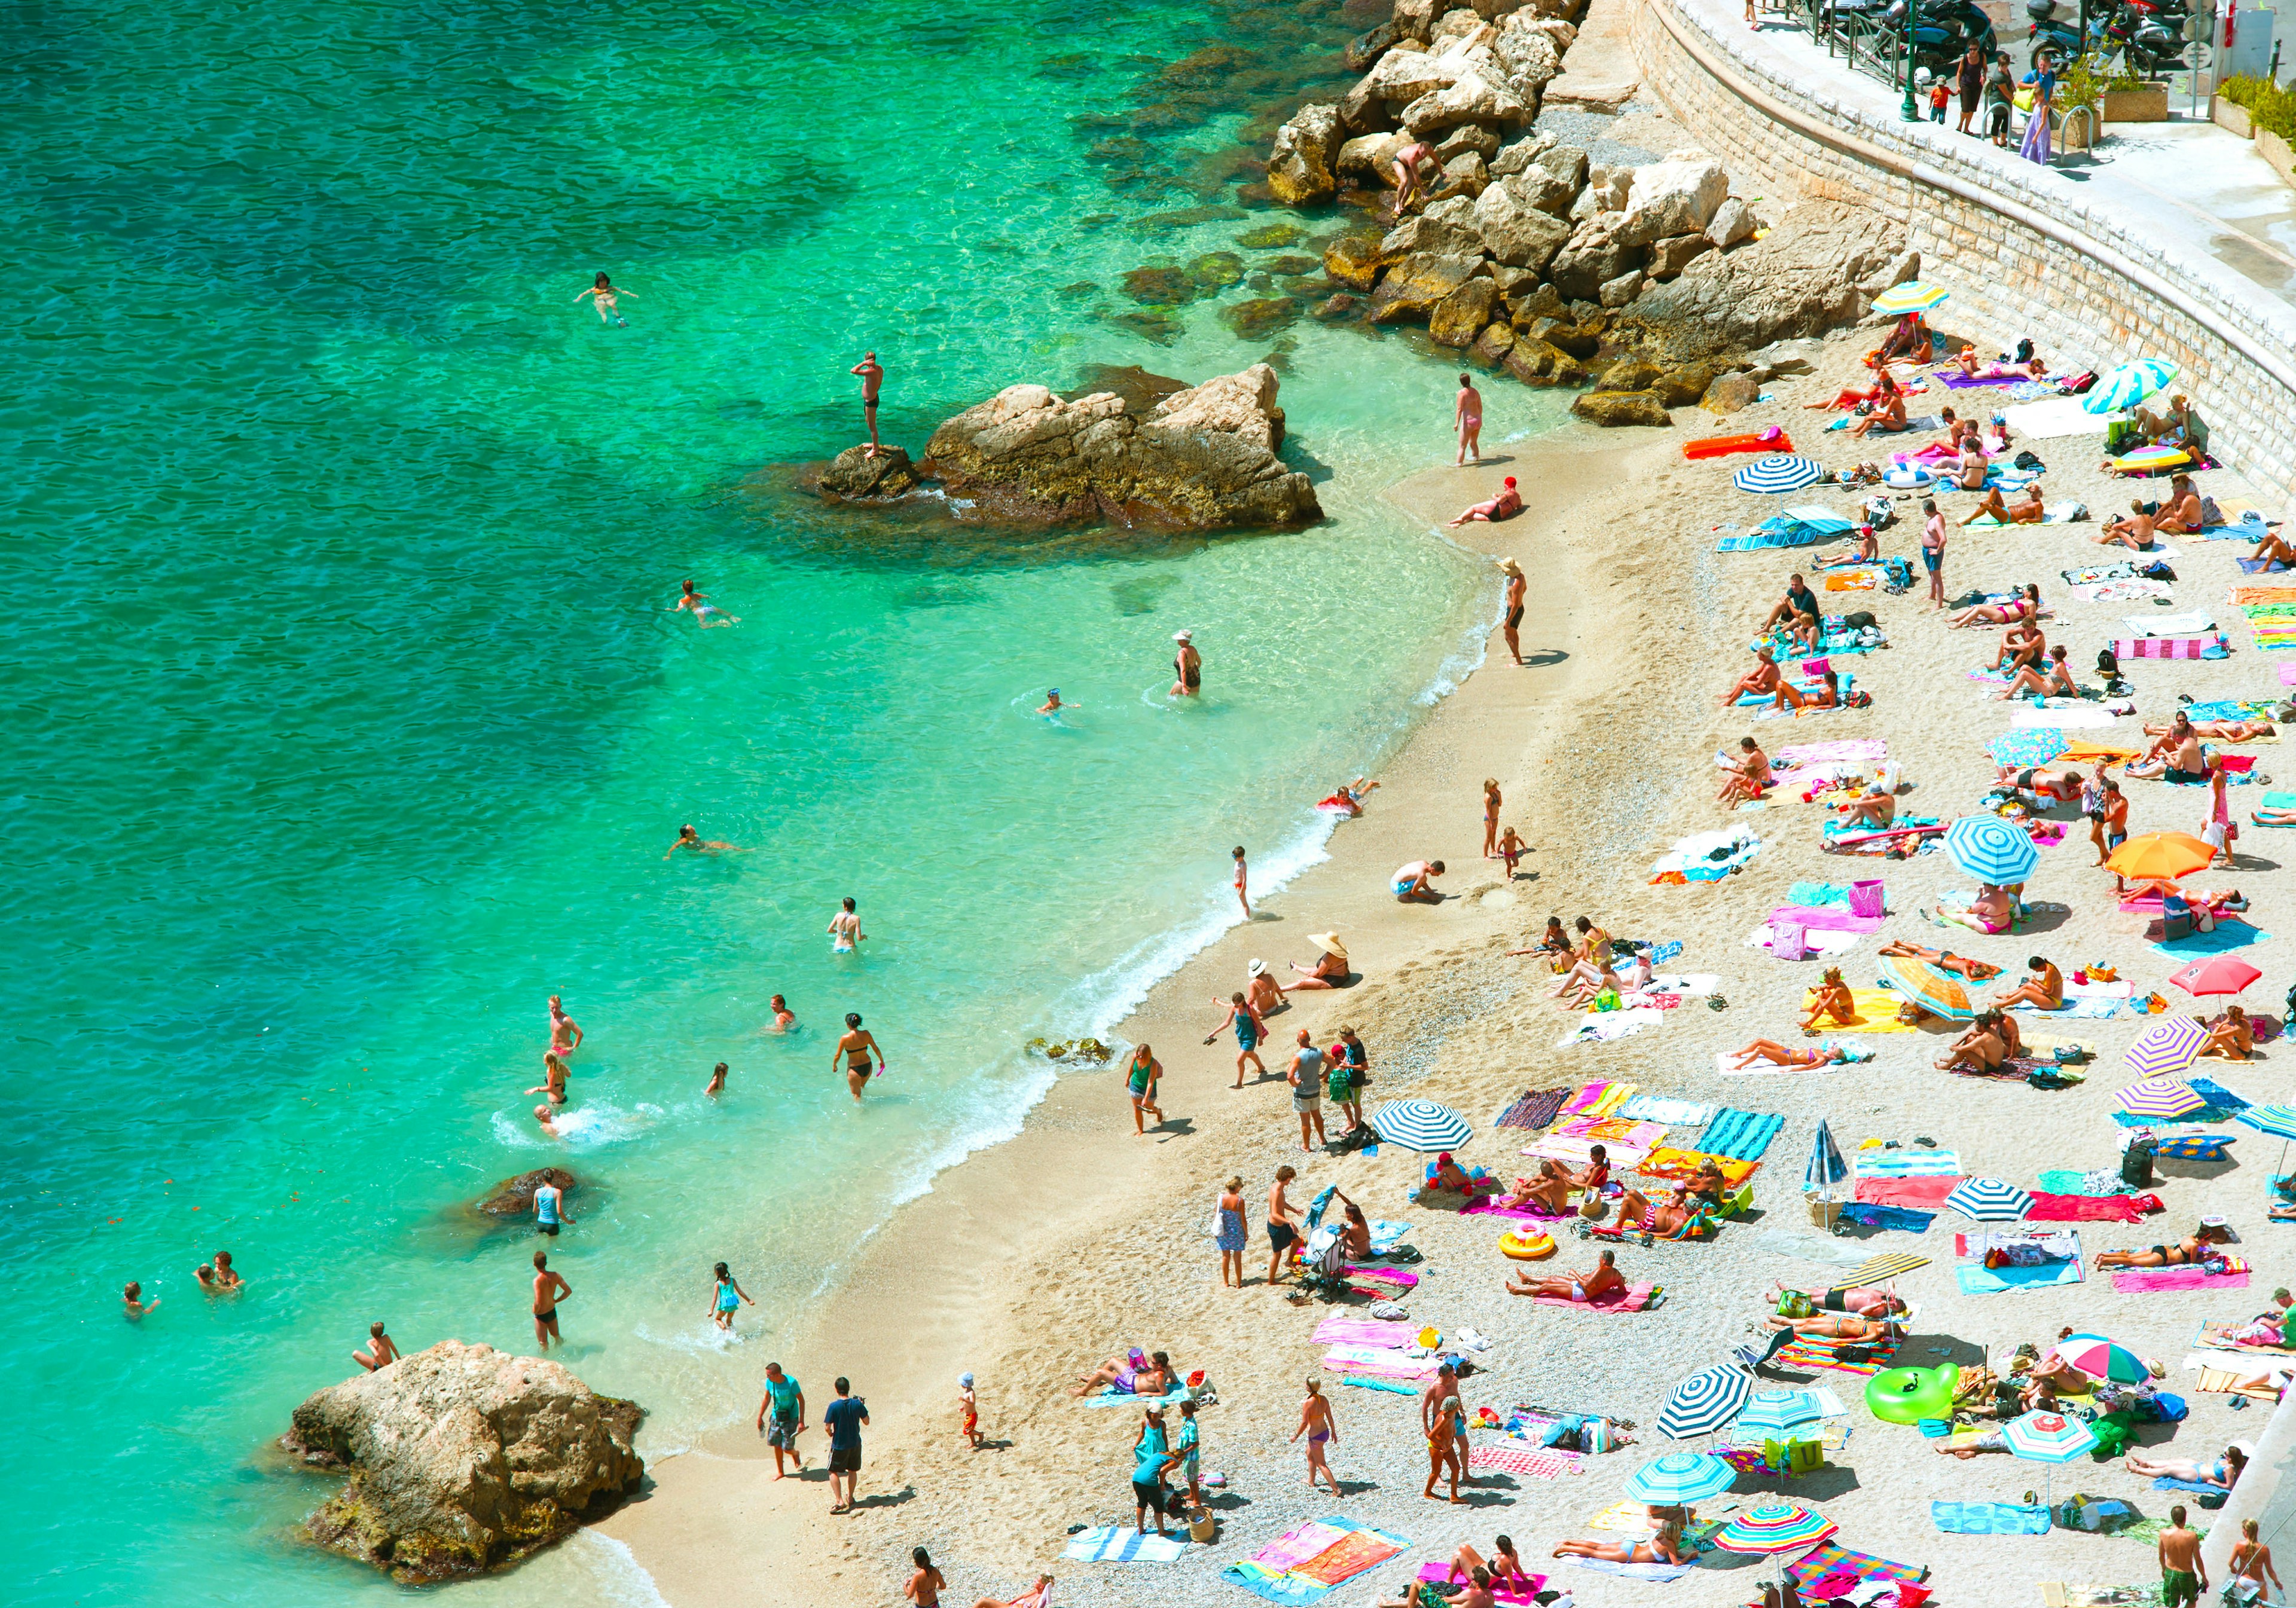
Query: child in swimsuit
[(602, 292)]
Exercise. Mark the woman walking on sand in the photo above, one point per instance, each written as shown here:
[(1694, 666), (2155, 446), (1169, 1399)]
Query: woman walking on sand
[(1515, 588), (1443, 1444), (1491, 802), (1467, 413), (727, 1300), (1140, 1079), (1322, 1429), (1234, 1233)]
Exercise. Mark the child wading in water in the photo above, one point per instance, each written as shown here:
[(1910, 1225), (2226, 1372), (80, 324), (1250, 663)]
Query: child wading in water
[(603, 294), (729, 1298)]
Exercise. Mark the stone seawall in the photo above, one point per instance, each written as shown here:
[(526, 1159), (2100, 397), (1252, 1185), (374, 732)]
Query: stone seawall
[(2024, 253)]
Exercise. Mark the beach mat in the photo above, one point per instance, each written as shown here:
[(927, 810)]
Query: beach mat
[(2137, 1281), (1871, 1011), (2084, 1209), (1906, 1163), (1975, 1279), (1817, 1351), (1534, 1109), (1530, 1462), (2165, 648), (1886, 1216), (1365, 1331), (1437, 1573), (1874, 1269), (1740, 1135), (1922, 1194), (1304, 1564), (2210, 1496), (1988, 1518), (1123, 1544), (1633, 1298), (2225, 1381), (1667, 1109), (1831, 1559)]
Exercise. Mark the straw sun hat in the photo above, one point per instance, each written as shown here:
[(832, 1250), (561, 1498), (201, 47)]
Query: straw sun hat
[(1329, 943)]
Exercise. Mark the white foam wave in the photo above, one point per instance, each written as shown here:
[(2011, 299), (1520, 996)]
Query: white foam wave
[(702, 1339), (619, 1574), (590, 1127)]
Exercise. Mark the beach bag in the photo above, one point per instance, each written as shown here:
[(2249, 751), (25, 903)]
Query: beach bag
[(2116, 434), (2079, 382), (2210, 514), (1878, 513), (1789, 940), (1596, 1436), (1793, 1304), (1865, 898), (2027, 459)]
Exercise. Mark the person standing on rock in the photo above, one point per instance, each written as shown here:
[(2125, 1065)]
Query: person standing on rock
[(843, 1419), (1187, 666), (1407, 172), (1467, 413), (873, 381), (549, 1290), (785, 1400)]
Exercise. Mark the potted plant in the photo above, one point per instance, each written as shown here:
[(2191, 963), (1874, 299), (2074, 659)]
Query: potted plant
[(2130, 99), (2269, 112)]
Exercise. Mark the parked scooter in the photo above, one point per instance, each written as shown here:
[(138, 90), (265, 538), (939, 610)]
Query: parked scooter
[(1944, 31)]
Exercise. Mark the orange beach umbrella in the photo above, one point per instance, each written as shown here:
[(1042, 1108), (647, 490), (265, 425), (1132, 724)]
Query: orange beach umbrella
[(2166, 855)]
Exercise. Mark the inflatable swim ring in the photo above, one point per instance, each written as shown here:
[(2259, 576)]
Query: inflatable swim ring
[(1909, 1395), (1526, 1247)]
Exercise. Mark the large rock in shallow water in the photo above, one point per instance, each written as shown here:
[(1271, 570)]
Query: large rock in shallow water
[(1200, 460), (854, 474), (1299, 165), (1802, 278), (464, 1458), (1411, 287), (514, 1196)]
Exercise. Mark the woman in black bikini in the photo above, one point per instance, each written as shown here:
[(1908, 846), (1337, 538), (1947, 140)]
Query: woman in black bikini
[(2194, 1248), (1188, 665), (856, 1047)]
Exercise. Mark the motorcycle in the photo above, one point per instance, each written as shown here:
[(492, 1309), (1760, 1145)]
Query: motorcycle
[(1944, 31)]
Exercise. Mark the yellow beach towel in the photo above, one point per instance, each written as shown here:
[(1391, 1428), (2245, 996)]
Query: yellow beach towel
[(1871, 1010)]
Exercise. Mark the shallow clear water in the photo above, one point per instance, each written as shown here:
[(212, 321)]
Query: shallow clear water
[(347, 720)]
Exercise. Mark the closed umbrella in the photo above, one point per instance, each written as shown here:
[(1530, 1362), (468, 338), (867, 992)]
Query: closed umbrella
[(2162, 1097), (2166, 1048), (1989, 1200), (2125, 385), (2100, 1358), (1781, 1412), (1679, 1478), (2216, 975), (1705, 1401), (1914, 296), (1778, 473), (1827, 1167), (1420, 1125), (2050, 1438), (1991, 850), (2160, 855), (1938, 991)]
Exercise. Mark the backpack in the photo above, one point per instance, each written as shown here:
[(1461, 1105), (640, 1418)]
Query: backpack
[(1861, 620), (2077, 383)]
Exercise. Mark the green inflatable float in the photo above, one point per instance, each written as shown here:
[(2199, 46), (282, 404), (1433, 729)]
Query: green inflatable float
[(1909, 1395)]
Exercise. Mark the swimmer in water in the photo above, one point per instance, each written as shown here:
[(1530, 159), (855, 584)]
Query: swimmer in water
[(855, 1048), (554, 1078), (1051, 703), (688, 838), (1187, 667), (717, 1081), (785, 1018), (602, 292), (382, 1352), (565, 1031), (550, 1128), (227, 1276), (132, 1299), (845, 930), (705, 612)]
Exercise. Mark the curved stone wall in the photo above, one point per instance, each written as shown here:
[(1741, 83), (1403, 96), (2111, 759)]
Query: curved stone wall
[(2024, 253)]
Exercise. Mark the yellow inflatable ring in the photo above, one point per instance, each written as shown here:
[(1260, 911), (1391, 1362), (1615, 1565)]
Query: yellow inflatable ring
[(1526, 1247)]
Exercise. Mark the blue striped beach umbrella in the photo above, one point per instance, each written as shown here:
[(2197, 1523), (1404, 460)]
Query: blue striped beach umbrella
[(1679, 1478), (1991, 850), (1989, 1200), (2279, 1120), (2166, 1048), (1777, 474), (1914, 296), (1420, 1125), (1779, 1412), (2127, 384), (1827, 1167), (1705, 1401)]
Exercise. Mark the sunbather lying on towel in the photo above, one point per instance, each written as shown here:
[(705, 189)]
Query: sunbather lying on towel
[(1866, 550), (1779, 1054), (1763, 678), (1992, 911), (1830, 999), (2055, 681), (1751, 773), (2254, 1331), (1571, 1286), (1133, 1372), (1039, 1595), (2230, 1036), (1986, 1441), (1944, 960), (2027, 509), (1664, 1547), (2025, 606), (2045, 988), (2223, 730), (2226, 1471), (1875, 808), (1865, 1301), (2043, 788), (1678, 1218), (1828, 695), (1823, 1326), (2196, 1247)]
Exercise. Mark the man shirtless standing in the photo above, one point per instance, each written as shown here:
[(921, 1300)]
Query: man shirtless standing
[(549, 1290), (565, 1031), (873, 380), (2182, 1576)]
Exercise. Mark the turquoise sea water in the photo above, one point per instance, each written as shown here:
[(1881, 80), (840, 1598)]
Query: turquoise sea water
[(347, 720)]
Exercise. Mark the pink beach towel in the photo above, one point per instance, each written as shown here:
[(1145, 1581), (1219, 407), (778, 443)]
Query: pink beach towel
[(1436, 1573), (1839, 750), (1924, 1194), (2127, 1281), (1827, 918), (2085, 1209), (1484, 1208), (1365, 1330), (1385, 1274), (1416, 1367), (1586, 1098), (1520, 1460), (2164, 647), (1633, 1298)]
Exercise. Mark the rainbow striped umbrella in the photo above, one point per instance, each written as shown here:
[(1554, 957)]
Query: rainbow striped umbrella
[(1943, 993), (1914, 296), (1774, 1527), (2162, 1097), (2166, 1048)]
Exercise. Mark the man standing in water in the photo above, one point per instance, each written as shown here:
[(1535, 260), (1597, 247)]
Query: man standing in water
[(1187, 667), (549, 1290), (785, 1400), (873, 380), (565, 1031), (1467, 413)]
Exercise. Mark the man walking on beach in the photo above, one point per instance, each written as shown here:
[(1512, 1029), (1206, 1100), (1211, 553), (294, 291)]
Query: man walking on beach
[(843, 1419), (2182, 1576), (873, 380), (1283, 1227), (1306, 1077), (785, 1402), (549, 1290)]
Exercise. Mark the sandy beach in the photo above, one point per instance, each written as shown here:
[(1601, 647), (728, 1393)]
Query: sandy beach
[(1039, 1258)]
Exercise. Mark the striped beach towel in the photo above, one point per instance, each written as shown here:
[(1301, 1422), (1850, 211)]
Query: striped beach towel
[(2164, 647), (1740, 1136), (1908, 1163), (1874, 1269), (1534, 1109), (1988, 1518), (1819, 1351)]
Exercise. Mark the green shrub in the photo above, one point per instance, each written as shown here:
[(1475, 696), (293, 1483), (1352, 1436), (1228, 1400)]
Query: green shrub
[(2267, 103)]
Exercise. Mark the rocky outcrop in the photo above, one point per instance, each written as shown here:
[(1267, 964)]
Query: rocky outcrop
[(855, 476), (1299, 167), (1411, 288), (514, 1196), (1516, 229), (462, 1458), (1202, 459), (1804, 276), (1613, 408), (1672, 198)]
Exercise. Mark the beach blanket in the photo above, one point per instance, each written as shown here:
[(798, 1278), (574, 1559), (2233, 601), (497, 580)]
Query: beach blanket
[(1667, 1109), (2028, 745), (1886, 1216), (1514, 1591), (2169, 647), (2231, 933), (1871, 1011), (2126, 589), (1580, 1152), (1384, 1274), (1906, 1163), (1706, 856), (2054, 416), (1613, 1131), (2064, 1180), (1123, 1544), (1830, 1560), (1874, 1269), (1633, 1298), (1977, 1280), (1676, 1164), (2085, 1209), (1486, 1208), (1926, 1194), (1598, 1099), (2194, 623), (1819, 1352), (1365, 1331), (1815, 941), (1305, 1562), (2210, 1496), (1534, 1109), (1539, 1464), (1114, 1397), (1602, 1026), (1662, 1573), (2128, 1281), (1381, 1365), (1852, 750), (1988, 1518), (1740, 1135)]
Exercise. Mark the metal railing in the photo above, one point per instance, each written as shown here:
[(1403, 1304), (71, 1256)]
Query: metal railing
[(1857, 37)]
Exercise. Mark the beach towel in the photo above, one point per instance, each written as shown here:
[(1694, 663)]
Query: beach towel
[(2028, 745), (2084, 1209), (1613, 1131), (1740, 1135), (2054, 416), (1819, 1351), (1602, 1026), (1926, 1194), (1886, 1216), (1365, 1383), (1386, 1365), (1305, 1562), (1512, 1592), (2128, 589), (1633, 1298), (1534, 1109), (2230, 934), (1814, 942), (1906, 1163), (2251, 567), (1977, 1280), (1707, 856), (2210, 1496), (1852, 750), (2196, 624), (1874, 1269), (1541, 1465), (1365, 1331), (1830, 1560), (1384, 1274), (2127, 1281), (1667, 1109), (2165, 648), (1662, 1573), (1598, 1099), (2062, 718), (1676, 1165), (1580, 1152), (1871, 1011), (1988, 1518), (1123, 1544), (1486, 1208), (1126, 1399)]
